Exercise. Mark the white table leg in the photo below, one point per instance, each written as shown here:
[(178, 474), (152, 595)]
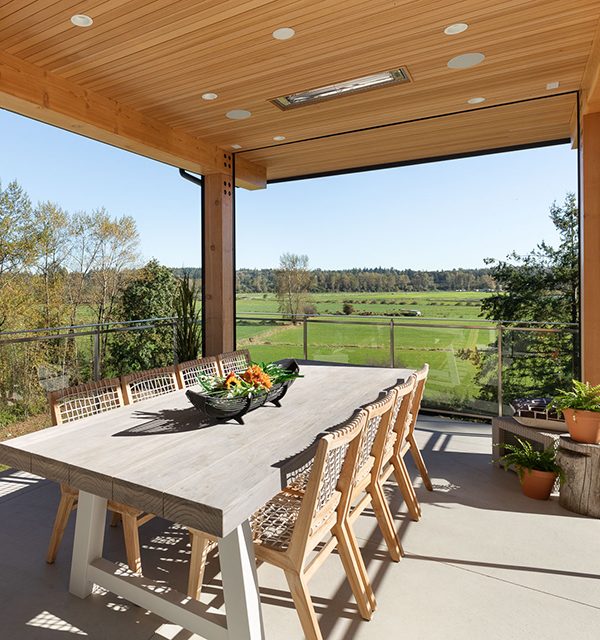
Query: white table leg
[(240, 585), (88, 543)]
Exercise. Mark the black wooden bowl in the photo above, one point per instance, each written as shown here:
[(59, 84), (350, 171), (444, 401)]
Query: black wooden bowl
[(224, 409)]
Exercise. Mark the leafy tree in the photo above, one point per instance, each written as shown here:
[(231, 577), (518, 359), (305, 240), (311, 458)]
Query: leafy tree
[(149, 294), (348, 308), (189, 320), (117, 242), (293, 283), (51, 264), (18, 251), (541, 286)]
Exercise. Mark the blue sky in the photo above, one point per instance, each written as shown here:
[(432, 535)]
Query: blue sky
[(431, 216)]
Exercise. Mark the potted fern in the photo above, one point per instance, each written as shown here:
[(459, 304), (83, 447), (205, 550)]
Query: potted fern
[(537, 470), (580, 406)]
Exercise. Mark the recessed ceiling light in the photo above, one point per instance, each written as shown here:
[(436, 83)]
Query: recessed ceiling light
[(209, 96), (453, 29), (236, 146), (278, 138), (475, 100), (285, 33), (238, 114), (81, 20), (466, 60), (552, 85)]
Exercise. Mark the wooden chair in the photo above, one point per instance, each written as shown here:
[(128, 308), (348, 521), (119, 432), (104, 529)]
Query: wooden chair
[(187, 372), (236, 361), (391, 462), (294, 523), (410, 444), (367, 489), (143, 385), (76, 403)]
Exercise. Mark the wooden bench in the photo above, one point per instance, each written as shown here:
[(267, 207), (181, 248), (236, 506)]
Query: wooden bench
[(507, 430)]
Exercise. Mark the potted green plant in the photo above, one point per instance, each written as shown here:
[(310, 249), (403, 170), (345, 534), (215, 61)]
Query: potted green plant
[(581, 409), (537, 470)]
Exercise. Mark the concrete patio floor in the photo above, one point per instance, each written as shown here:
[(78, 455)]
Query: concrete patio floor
[(483, 562)]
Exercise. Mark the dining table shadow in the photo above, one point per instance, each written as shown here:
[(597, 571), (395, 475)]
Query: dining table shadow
[(168, 421)]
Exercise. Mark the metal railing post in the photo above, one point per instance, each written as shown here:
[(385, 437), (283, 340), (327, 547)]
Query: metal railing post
[(174, 326), (96, 354), (305, 337), (392, 347), (500, 393)]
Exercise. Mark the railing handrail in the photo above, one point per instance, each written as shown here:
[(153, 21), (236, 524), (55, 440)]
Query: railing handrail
[(301, 316), (555, 327), (86, 326), (351, 319)]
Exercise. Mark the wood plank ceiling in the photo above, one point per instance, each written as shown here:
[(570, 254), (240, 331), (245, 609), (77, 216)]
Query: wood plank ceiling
[(159, 56)]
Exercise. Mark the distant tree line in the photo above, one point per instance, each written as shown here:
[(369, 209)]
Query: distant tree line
[(377, 279)]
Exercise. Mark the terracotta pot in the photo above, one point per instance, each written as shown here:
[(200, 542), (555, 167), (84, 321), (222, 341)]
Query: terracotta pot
[(537, 484), (584, 426)]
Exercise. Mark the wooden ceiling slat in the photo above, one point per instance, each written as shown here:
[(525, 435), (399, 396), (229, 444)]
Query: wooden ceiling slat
[(174, 92), (156, 57), (431, 46), (175, 24), (36, 26), (524, 123), (322, 25)]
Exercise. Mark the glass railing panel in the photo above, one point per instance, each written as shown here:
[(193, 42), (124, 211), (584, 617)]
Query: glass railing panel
[(537, 363), (350, 341), (463, 365), (270, 339)]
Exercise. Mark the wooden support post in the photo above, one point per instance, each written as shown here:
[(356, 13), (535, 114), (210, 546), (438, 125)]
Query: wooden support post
[(590, 242), (218, 307)]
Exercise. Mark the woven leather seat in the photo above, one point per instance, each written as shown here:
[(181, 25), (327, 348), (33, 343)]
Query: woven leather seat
[(303, 519), (273, 524)]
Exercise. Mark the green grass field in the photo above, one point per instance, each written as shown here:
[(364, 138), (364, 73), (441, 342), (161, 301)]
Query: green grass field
[(366, 340), (454, 305)]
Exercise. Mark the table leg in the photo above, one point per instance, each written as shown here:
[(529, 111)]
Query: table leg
[(240, 585), (88, 543)]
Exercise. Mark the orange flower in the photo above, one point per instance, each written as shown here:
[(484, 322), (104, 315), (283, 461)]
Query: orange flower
[(231, 380), (255, 376)]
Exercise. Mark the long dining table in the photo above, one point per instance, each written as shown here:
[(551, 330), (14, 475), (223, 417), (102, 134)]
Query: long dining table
[(161, 456)]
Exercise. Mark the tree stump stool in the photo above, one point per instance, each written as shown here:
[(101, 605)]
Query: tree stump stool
[(580, 463)]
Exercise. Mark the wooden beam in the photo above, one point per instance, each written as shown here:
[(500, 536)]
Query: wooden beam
[(590, 83), (590, 286), (249, 175), (218, 307), (573, 128), (44, 96)]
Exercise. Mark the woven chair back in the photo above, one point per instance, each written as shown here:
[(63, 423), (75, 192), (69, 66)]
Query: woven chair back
[(421, 376), (188, 372), (142, 385), (85, 400), (378, 419), (236, 361), (335, 457), (400, 420)]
